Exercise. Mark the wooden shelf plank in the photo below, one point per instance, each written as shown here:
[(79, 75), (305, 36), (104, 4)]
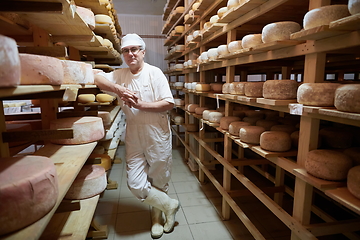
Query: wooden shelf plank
[(274, 102), (268, 154), (315, 33), (67, 169), (246, 99), (343, 196), (350, 23)]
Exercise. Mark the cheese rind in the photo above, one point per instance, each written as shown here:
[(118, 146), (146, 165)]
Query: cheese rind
[(328, 164), (9, 62), (87, 15), (215, 117), (76, 72), (337, 137), (353, 181), (280, 89), (234, 46), (235, 127), (254, 89), (324, 15), (347, 98), (202, 87), (279, 31), (251, 134), (317, 94), (28, 191), (237, 88), (251, 40), (226, 88), (275, 141)]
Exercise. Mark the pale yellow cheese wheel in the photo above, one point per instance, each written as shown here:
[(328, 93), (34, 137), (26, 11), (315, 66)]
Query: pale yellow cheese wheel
[(280, 89), (251, 40), (225, 121), (222, 11), (235, 127), (317, 94), (232, 3), (324, 15), (251, 134), (347, 98), (86, 98), (254, 89), (226, 88), (279, 31), (275, 141), (107, 43), (206, 114), (354, 6), (214, 19), (328, 164), (353, 181), (202, 87), (102, 18), (223, 49), (9, 62), (103, 98)]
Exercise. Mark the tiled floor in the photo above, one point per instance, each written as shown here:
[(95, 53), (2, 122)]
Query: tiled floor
[(128, 218)]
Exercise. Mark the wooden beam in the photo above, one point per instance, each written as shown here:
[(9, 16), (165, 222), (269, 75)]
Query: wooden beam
[(56, 51), (36, 135), (24, 6), (330, 228)]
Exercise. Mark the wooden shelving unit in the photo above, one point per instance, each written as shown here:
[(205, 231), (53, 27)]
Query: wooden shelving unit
[(310, 53)]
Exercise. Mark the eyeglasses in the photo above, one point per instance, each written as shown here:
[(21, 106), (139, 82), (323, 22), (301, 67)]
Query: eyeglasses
[(133, 50)]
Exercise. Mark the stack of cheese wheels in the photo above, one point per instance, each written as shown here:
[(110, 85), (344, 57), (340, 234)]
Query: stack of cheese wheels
[(106, 118), (202, 87), (103, 19), (85, 129), (104, 98), (347, 98), (86, 98), (354, 6), (29, 190), (267, 124), (103, 159), (280, 89), (192, 127), (328, 164), (251, 40), (237, 88), (279, 31), (90, 182), (225, 121), (215, 117), (226, 88), (317, 94), (275, 141), (354, 153), (337, 137), (235, 127), (251, 134), (206, 114), (76, 72), (192, 106), (254, 89), (234, 46), (353, 181), (200, 110), (222, 50), (9, 62), (36, 69), (13, 127), (284, 128), (216, 87), (324, 15), (87, 15)]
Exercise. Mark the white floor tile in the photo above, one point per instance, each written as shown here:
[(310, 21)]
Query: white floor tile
[(210, 231), (201, 214), (187, 187), (106, 206), (131, 204), (133, 235), (193, 199), (133, 221)]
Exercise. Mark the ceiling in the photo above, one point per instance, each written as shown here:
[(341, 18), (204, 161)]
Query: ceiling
[(139, 7)]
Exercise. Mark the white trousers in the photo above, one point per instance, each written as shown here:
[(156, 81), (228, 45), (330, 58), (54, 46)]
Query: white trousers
[(148, 156)]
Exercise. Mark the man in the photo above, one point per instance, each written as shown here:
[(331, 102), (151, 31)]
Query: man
[(146, 97)]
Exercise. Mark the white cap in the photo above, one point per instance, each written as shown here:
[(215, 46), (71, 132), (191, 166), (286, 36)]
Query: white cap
[(132, 39)]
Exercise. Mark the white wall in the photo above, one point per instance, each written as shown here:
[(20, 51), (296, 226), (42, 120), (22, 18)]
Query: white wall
[(149, 27)]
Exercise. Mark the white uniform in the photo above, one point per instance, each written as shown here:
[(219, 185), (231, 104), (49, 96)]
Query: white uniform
[(148, 134)]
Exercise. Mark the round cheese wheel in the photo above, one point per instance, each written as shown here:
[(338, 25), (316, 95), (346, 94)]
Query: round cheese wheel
[(9, 62), (317, 94), (100, 39), (191, 108), (254, 89), (179, 66), (180, 47), (280, 89), (214, 19), (206, 114), (226, 88), (222, 11), (267, 124), (90, 182), (232, 3), (237, 88), (36, 69), (216, 87), (179, 29), (81, 129), (324, 15), (200, 110), (347, 98), (76, 72), (215, 117), (235, 127), (295, 139), (104, 97), (29, 190), (103, 19), (107, 43), (275, 141), (196, 33), (251, 40), (86, 98), (328, 164), (337, 137), (87, 15), (192, 127), (222, 49), (179, 9), (195, 6), (202, 87), (106, 118), (353, 181), (225, 121), (284, 128), (212, 53), (279, 31), (204, 57), (354, 6), (178, 120), (251, 134), (354, 154), (238, 113), (207, 25), (235, 46)]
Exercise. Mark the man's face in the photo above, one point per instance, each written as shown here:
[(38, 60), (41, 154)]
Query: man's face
[(133, 55)]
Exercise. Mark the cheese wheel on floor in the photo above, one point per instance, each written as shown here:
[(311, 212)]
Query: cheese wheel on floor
[(317, 94), (353, 181), (76, 72), (225, 121), (215, 117), (347, 98), (87, 15), (37, 70), (283, 128), (90, 182), (85, 129), (328, 164), (251, 40), (104, 98), (337, 137), (237, 88), (280, 89), (354, 154), (86, 98), (251, 134), (275, 141), (324, 15), (354, 6), (235, 127), (29, 190), (254, 89), (9, 62), (279, 31)]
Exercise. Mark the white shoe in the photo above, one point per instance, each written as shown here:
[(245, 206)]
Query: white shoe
[(157, 228)]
